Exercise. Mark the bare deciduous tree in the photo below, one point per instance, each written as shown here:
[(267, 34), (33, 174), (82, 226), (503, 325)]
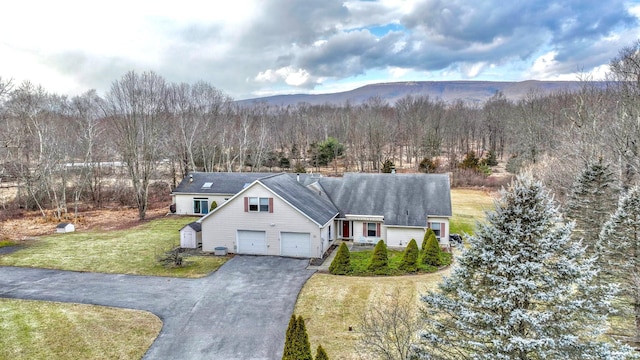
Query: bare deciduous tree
[(137, 107), (388, 330)]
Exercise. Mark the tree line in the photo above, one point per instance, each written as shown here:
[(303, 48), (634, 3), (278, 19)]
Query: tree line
[(63, 150)]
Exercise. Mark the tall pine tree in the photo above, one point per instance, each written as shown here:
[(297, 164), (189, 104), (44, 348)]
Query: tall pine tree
[(522, 290), (591, 202), (620, 252)]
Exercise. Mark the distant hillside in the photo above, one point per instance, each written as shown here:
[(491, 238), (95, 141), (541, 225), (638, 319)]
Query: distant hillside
[(448, 91)]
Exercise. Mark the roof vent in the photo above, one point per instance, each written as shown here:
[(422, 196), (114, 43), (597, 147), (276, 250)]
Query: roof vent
[(190, 177)]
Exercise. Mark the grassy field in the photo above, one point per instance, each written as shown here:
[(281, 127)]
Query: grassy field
[(130, 251), (330, 304), (468, 206), (33, 330)]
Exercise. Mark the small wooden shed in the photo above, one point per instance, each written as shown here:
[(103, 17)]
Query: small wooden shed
[(191, 236), (65, 227)]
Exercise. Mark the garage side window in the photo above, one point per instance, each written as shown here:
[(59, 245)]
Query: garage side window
[(258, 204)]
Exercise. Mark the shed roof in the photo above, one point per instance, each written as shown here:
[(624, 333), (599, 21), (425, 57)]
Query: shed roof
[(62, 225), (403, 199), (194, 225)]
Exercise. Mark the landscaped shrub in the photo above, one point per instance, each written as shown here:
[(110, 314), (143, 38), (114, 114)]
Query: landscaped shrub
[(321, 354), (296, 343), (410, 257), (172, 259), (379, 261), (290, 339), (427, 235), (341, 264), (214, 205), (431, 254)]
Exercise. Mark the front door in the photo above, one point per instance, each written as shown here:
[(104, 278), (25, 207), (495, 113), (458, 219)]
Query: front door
[(346, 230)]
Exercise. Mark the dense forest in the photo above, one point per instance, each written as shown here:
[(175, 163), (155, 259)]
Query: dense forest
[(145, 134)]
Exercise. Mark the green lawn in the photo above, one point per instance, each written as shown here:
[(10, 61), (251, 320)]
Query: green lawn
[(130, 251), (34, 330)]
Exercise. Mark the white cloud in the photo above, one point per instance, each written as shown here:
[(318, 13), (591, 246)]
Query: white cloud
[(473, 70), (397, 72), (290, 76)]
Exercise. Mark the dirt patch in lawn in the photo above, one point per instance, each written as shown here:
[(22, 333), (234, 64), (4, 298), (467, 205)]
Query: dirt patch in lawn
[(29, 224)]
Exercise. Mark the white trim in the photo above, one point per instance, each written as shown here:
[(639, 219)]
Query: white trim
[(406, 226), (368, 218)]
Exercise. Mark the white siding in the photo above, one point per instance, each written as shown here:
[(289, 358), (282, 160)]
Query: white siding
[(400, 236), (219, 228), (360, 237), (188, 238), (184, 202), (326, 239)]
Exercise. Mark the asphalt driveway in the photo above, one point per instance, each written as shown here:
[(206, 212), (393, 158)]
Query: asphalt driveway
[(239, 312)]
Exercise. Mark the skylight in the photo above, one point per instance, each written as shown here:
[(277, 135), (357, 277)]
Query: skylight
[(207, 185)]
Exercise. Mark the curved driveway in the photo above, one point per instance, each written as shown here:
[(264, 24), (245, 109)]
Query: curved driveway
[(240, 311)]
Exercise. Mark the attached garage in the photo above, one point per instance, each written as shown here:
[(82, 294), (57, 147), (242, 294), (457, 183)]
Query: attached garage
[(295, 244), (252, 242)]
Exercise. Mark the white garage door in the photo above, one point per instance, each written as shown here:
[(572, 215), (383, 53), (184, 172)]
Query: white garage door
[(295, 244), (252, 242)]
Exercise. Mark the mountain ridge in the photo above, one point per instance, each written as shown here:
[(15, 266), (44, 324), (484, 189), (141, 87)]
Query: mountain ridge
[(448, 91)]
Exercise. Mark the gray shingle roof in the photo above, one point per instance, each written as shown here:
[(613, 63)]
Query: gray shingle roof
[(221, 182), (194, 225), (403, 199), (318, 208)]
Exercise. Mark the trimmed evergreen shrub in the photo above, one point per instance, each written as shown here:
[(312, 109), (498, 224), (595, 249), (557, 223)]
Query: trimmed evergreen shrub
[(427, 234), (410, 257), (296, 344), (379, 260), (341, 264), (304, 349), (214, 205), (290, 340), (431, 255), (321, 354)]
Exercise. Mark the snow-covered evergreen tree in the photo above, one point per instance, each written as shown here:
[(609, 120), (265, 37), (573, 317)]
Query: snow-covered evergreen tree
[(620, 242), (522, 290), (591, 201)]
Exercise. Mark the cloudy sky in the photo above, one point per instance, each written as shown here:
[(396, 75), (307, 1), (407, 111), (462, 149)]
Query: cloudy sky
[(253, 48)]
